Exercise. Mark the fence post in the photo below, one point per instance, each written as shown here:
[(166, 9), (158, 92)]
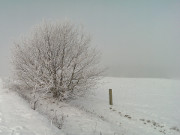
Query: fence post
[(110, 97)]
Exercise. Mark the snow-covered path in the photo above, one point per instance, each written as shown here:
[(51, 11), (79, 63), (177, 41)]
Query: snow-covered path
[(16, 118)]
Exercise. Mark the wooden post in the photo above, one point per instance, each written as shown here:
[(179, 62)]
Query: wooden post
[(110, 97)]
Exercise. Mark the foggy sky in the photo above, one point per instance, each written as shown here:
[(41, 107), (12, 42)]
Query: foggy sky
[(137, 38)]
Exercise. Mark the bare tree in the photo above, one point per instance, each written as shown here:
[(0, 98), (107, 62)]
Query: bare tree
[(56, 58)]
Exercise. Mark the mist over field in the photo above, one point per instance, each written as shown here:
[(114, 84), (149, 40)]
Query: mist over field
[(53, 80), (136, 38)]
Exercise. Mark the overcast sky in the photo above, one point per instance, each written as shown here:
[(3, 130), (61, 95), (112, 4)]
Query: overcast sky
[(138, 38)]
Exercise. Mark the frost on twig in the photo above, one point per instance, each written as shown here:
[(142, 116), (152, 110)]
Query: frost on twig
[(56, 58)]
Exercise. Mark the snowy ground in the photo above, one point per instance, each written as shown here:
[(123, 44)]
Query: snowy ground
[(141, 107), (16, 117)]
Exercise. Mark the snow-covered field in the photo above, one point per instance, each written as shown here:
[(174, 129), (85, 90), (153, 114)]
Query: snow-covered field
[(141, 107)]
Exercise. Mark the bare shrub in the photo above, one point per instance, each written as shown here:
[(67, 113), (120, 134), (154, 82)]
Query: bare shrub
[(56, 58)]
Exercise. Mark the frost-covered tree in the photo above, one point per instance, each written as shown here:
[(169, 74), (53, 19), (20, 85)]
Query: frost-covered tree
[(56, 58)]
